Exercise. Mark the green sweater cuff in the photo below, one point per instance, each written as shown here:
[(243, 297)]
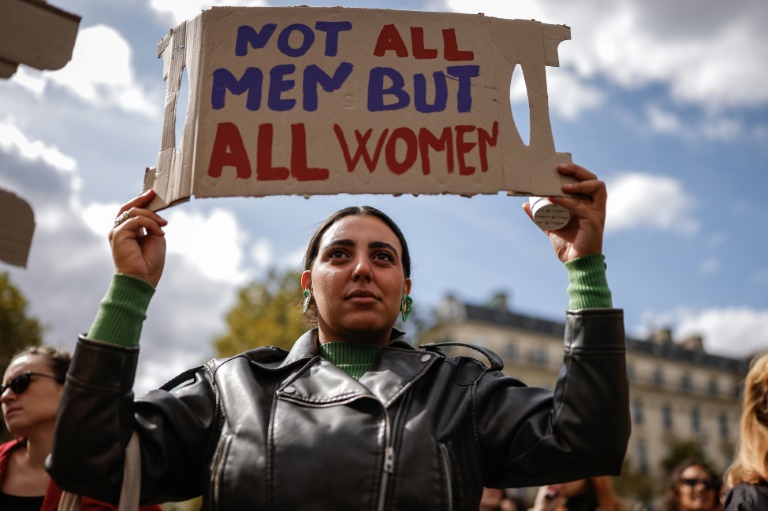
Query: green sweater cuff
[(353, 359), (588, 288), (122, 311)]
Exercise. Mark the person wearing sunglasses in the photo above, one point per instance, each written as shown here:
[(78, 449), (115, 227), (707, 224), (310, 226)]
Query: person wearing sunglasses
[(31, 390), (693, 486)]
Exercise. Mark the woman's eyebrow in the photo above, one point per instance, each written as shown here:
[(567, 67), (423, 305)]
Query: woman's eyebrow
[(382, 244)]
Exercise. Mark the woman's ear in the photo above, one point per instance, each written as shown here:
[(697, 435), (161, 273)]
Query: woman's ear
[(306, 280), (407, 287)]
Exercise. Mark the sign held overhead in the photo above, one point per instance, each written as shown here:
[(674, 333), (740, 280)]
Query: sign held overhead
[(307, 101)]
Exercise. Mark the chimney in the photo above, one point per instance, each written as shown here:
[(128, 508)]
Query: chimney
[(662, 336), (693, 342), (499, 301)]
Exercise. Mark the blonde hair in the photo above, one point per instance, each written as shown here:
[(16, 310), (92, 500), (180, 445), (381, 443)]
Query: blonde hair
[(751, 464)]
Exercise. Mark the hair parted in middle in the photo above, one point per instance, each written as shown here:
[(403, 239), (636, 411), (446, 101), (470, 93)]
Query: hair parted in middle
[(313, 247)]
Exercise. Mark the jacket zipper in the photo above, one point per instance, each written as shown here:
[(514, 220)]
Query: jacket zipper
[(389, 453), (218, 469), (448, 473)]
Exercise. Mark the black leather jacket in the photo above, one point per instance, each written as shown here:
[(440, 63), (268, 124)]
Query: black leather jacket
[(270, 429)]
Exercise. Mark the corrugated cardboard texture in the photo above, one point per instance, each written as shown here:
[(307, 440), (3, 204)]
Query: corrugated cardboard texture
[(308, 101), (17, 224), (35, 34)]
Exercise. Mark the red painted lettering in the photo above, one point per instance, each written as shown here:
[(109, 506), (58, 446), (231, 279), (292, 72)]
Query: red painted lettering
[(362, 148), (451, 47), (264, 169), (390, 40), (463, 147), (444, 143), (417, 43), (486, 140), (411, 150), (299, 168), (229, 151)]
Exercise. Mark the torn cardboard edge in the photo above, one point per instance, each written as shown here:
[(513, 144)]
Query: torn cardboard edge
[(17, 225), (316, 101), (35, 34)]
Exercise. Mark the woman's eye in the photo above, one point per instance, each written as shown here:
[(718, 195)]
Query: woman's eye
[(384, 256), (336, 253)]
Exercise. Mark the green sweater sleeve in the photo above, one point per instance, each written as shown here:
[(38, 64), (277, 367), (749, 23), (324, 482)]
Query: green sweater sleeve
[(122, 311), (588, 288)]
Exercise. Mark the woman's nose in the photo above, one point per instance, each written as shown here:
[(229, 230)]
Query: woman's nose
[(362, 270)]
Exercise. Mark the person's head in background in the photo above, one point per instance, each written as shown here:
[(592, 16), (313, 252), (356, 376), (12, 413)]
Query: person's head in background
[(751, 463), (693, 486), (580, 495), (491, 499), (32, 387)]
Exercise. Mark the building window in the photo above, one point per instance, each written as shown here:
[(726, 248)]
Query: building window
[(658, 377), (631, 372), (686, 383), (539, 357), (723, 425), (695, 420), (666, 417), (714, 388), (642, 457), (511, 351), (637, 411)]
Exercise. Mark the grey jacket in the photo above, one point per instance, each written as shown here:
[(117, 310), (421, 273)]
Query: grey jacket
[(277, 430)]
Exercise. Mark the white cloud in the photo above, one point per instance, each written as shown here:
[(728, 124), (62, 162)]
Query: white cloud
[(734, 331), (12, 140), (100, 72), (637, 200), (570, 96), (213, 243), (710, 265), (712, 57), (709, 127), (182, 10)]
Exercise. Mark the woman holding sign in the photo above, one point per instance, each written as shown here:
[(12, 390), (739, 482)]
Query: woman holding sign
[(353, 417)]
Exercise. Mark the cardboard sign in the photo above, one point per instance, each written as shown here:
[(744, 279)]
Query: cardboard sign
[(17, 224), (306, 101), (36, 34)]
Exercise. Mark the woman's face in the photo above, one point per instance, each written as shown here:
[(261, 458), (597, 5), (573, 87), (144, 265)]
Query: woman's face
[(357, 280), (697, 490), (36, 407)]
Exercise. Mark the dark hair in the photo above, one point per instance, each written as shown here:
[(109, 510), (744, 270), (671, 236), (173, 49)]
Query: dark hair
[(313, 247), (57, 360), (672, 501)]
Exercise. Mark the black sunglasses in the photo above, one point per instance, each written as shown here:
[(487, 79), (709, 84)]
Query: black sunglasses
[(709, 484), (21, 382)]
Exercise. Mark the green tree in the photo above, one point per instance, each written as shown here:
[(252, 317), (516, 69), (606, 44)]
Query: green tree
[(17, 328), (267, 313), (681, 451)]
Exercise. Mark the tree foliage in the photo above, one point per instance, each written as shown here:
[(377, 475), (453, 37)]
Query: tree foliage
[(682, 451), (267, 313), (17, 328)]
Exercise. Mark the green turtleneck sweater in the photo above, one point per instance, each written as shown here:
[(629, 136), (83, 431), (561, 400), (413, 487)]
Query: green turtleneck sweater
[(123, 311)]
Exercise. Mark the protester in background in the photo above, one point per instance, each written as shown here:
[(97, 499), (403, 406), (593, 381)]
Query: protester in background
[(747, 477), (31, 390), (491, 499), (693, 486), (353, 417), (593, 494)]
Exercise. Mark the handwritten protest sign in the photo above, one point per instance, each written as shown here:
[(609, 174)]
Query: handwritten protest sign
[(308, 101)]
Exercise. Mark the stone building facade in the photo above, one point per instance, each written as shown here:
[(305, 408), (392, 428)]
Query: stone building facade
[(678, 392)]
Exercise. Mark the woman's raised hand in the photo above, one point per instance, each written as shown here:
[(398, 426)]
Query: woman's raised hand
[(138, 240), (583, 235)]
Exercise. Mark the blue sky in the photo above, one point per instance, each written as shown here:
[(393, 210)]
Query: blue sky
[(666, 101)]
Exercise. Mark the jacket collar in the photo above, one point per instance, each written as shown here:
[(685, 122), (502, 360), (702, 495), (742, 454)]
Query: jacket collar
[(321, 383)]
